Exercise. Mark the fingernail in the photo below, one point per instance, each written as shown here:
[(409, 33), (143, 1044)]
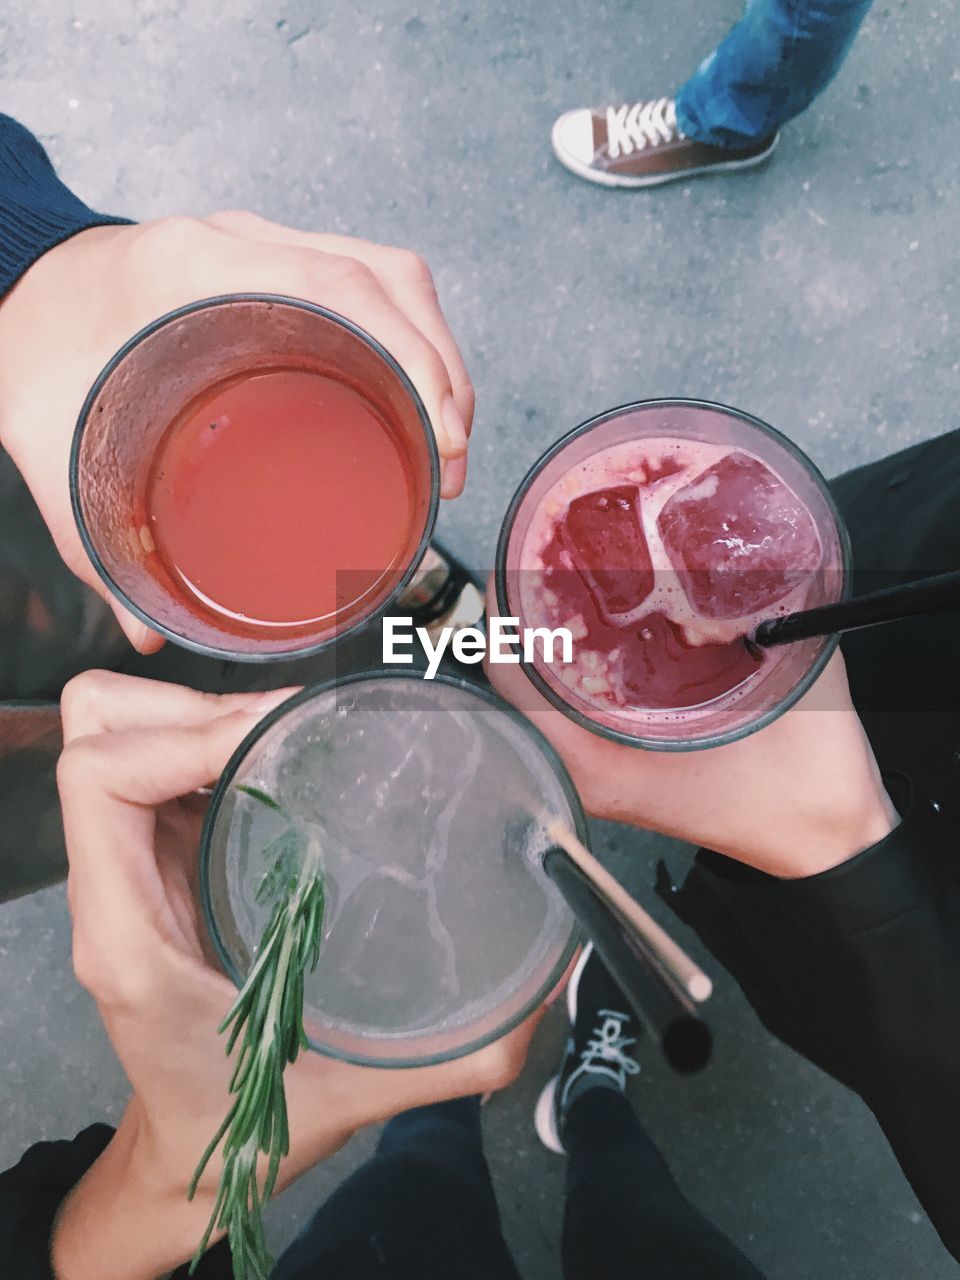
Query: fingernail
[(263, 702), (454, 478), (455, 428), (146, 641)]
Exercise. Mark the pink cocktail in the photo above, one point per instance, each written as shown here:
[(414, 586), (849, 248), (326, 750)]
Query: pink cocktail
[(660, 535)]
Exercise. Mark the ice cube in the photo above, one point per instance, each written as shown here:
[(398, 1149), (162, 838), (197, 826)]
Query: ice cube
[(739, 538), (604, 538)]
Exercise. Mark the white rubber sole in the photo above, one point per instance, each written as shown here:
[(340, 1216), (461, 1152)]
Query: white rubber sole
[(545, 1112), (545, 1118), (626, 183)]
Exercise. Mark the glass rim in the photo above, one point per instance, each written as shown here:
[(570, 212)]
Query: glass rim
[(485, 694), (90, 547), (806, 681)]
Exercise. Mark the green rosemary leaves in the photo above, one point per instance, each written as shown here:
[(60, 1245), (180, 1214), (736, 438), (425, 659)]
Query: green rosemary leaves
[(266, 1019)]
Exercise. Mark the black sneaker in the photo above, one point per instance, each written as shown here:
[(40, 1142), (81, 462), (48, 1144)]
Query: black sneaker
[(602, 1033), (443, 592)]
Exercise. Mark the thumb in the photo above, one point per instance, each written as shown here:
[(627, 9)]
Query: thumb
[(143, 638)]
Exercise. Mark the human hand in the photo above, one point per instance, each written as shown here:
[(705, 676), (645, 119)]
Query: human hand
[(81, 301), (135, 753), (802, 795)]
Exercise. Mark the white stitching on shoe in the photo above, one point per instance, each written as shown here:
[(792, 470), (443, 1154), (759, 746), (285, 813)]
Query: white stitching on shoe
[(644, 124)]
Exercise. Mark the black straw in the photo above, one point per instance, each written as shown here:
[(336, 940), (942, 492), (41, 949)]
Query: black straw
[(929, 595), (684, 1038)]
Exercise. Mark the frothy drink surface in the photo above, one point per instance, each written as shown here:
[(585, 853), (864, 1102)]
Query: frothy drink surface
[(660, 555)]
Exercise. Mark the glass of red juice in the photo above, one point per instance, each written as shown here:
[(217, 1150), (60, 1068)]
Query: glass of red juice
[(254, 477), (660, 534)]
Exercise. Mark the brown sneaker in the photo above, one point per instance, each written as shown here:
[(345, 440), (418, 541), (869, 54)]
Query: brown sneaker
[(641, 146)]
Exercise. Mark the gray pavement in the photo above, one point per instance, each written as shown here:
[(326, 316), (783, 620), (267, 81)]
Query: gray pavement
[(820, 294)]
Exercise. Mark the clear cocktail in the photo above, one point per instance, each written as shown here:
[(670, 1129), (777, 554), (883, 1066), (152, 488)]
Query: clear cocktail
[(424, 804)]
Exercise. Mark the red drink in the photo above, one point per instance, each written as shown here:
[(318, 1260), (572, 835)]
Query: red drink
[(281, 498), (661, 536), (668, 554), (254, 477)]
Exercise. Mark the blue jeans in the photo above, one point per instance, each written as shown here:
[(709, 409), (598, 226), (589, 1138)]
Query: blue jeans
[(770, 67)]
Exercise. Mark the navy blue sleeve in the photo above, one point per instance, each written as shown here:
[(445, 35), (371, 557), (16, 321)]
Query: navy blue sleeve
[(37, 211), (31, 1194), (30, 1197)]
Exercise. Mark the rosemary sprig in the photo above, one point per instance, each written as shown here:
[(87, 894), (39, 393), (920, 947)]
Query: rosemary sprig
[(267, 1019)]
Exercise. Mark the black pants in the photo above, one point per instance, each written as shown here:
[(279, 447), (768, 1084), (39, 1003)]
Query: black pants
[(423, 1208)]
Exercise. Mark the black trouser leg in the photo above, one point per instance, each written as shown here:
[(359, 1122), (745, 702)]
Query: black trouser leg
[(625, 1217), (422, 1209)]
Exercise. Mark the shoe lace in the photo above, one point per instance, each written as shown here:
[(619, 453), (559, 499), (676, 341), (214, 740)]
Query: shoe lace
[(608, 1046), (644, 124)]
